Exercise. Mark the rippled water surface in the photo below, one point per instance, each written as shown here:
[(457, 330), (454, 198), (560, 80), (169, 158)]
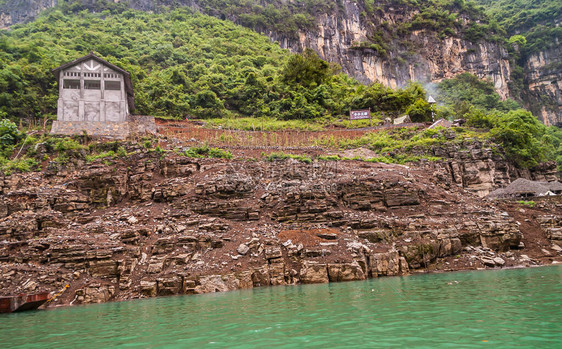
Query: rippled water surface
[(508, 308)]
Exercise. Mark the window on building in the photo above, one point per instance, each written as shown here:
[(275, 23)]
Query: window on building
[(71, 84), (92, 84), (113, 85)]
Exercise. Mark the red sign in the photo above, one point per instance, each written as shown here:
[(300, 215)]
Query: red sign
[(359, 114)]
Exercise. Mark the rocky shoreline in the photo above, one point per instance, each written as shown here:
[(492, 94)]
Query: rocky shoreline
[(151, 225)]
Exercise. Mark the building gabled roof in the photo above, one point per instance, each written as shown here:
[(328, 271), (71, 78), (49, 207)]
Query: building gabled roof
[(525, 186), (552, 186), (91, 55)]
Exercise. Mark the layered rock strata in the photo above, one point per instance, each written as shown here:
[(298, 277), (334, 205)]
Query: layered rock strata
[(151, 226)]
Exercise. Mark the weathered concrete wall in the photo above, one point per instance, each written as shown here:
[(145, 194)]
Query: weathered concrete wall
[(118, 130), (141, 125), (135, 125)]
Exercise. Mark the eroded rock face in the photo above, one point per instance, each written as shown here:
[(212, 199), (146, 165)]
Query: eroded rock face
[(17, 11), (553, 226), (428, 59), (544, 79), (176, 226), (480, 169)]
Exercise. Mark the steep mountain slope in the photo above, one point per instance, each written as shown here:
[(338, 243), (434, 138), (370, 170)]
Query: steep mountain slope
[(393, 41), (185, 64), (535, 37)]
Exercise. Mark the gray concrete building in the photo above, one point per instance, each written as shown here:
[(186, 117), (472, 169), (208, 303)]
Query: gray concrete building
[(95, 97)]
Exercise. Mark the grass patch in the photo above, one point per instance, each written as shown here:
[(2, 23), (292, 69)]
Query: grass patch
[(265, 124), (18, 165), (278, 156), (404, 140), (403, 159), (273, 124), (396, 159), (108, 154), (205, 151), (529, 204)]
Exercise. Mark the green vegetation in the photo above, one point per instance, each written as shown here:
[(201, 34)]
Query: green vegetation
[(523, 137), (18, 165), (534, 21), (9, 136), (288, 17), (398, 159), (183, 65), (205, 151), (442, 17), (466, 90), (108, 154), (31, 151), (277, 156), (265, 124), (530, 27), (405, 144), (530, 204), (187, 65)]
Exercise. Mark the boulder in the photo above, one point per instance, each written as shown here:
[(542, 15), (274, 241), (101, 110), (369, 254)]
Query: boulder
[(314, 273), (169, 285), (213, 283), (148, 288), (345, 272), (384, 264), (243, 249), (499, 261)]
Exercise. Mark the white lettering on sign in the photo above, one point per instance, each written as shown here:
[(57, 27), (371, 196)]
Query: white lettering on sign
[(359, 114)]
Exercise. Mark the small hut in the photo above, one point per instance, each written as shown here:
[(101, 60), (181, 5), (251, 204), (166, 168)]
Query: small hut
[(523, 188), (555, 187), (402, 120)]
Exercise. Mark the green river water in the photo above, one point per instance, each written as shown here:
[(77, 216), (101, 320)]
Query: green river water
[(493, 309)]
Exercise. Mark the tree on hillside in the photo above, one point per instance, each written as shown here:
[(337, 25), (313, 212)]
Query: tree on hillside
[(307, 69), (523, 137)]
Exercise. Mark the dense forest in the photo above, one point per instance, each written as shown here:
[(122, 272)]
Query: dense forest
[(530, 23)]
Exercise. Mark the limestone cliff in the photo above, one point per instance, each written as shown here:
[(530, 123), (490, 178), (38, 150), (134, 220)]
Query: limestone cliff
[(18, 11), (419, 56), (543, 74)]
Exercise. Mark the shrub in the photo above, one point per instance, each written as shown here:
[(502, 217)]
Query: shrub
[(147, 144), (108, 154), (530, 204), (477, 118), (419, 111), (9, 135), (18, 165), (523, 137), (121, 152)]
